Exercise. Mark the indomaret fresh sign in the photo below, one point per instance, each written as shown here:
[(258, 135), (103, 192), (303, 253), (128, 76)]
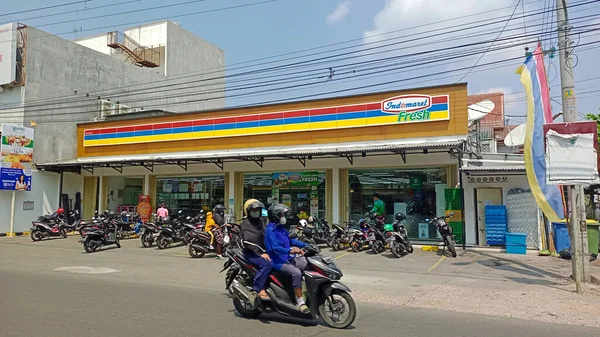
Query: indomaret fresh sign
[(417, 108)]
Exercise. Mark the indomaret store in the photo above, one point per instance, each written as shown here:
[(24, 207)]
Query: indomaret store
[(322, 157)]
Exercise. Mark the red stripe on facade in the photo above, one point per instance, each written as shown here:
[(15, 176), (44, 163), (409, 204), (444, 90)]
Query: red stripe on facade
[(299, 113), (271, 116), (201, 122), (323, 111), (162, 126), (105, 131), (439, 99), (183, 124), (224, 120), (143, 127), (248, 118), (126, 129), (373, 106), (91, 132)]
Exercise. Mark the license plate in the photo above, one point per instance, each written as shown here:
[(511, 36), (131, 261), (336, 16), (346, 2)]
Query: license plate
[(370, 239), (142, 230)]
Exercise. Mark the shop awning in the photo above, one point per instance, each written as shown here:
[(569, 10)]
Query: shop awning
[(494, 168), (258, 155)]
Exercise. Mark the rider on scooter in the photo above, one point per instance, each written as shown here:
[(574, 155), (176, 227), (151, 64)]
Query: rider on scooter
[(286, 259), (253, 236)]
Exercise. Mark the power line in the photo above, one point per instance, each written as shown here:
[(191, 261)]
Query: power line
[(444, 50), (349, 89), (86, 9), (47, 7), (497, 37), (282, 67), (104, 91)]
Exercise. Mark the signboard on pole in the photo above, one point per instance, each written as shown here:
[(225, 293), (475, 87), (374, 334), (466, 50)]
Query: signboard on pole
[(8, 53), (16, 158)]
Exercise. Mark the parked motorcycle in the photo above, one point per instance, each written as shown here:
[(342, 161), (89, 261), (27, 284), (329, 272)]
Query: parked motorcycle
[(326, 296), (102, 234), (173, 231), (377, 234), (358, 240), (148, 232), (441, 223), (397, 239), (341, 237), (47, 226)]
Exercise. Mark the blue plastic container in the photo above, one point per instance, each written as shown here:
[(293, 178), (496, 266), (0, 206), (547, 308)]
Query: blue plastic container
[(516, 243), (495, 224), (561, 236)]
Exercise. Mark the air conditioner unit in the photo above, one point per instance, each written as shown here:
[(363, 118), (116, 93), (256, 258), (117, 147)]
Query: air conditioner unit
[(107, 108)]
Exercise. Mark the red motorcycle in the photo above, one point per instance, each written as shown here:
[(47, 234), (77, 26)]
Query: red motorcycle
[(47, 226)]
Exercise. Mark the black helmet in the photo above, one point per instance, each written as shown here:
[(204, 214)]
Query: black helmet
[(252, 205), (219, 209), (399, 216), (278, 211)]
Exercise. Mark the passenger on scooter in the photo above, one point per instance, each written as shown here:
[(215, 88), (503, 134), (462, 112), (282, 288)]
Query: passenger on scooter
[(253, 236), (219, 215), (286, 259), (214, 230)]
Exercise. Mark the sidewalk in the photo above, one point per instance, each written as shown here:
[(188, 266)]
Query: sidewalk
[(520, 286)]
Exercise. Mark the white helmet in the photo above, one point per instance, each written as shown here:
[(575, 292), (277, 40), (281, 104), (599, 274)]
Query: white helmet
[(311, 219), (303, 223)]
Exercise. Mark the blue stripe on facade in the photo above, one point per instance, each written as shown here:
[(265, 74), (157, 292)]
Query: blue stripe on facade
[(271, 122), (242, 125)]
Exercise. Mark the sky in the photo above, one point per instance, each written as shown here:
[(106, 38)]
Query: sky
[(412, 27)]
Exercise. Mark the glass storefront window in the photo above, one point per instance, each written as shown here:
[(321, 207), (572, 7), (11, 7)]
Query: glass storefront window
[(303, 192), (418, 193), (190, 194)]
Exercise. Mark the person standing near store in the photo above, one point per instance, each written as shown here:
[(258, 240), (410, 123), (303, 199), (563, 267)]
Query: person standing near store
[(378, 208), (253, 237), (162, 212)]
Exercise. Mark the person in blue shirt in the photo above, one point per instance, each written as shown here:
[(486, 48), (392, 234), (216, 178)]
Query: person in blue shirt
[(285, 253)]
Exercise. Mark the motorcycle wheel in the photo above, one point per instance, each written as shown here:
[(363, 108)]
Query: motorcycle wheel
[(147, 240), (196, 253), (336, 244), (36, 235), (90, 246), (377, 247), (330, 302), (162, 242), (397, 249), (355, 245), (118, 244), (244, 308), (409, 247), (63, 233), (451, 246)]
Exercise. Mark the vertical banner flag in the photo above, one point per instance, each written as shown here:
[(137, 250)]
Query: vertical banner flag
[(533, 78)]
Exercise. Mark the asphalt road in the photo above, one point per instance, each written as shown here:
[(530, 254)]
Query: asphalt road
[(56, 290)]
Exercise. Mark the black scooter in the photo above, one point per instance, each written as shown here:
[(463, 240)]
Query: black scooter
[(441, 223), (326, 296), (173, 232), (99, 235)]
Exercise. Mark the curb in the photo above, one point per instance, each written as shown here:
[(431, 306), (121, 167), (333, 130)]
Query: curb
[(14, 234)]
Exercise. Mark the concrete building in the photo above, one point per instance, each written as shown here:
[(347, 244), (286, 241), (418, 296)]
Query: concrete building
[(53, 84)]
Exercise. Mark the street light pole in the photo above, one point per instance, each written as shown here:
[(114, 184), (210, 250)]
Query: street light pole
[(578, 229)]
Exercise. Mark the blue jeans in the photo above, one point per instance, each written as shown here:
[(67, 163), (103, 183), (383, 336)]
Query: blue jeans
[(264, 268)]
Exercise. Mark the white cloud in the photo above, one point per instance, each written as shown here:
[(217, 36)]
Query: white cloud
[(339, 13)]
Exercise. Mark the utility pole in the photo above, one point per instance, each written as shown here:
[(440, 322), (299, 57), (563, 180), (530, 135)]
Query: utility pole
[(576, 205)]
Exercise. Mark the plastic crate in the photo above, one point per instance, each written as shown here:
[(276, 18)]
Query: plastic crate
[(495, 224), (516, 243)]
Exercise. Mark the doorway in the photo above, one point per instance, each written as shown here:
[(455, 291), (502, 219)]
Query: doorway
[(485, 197)]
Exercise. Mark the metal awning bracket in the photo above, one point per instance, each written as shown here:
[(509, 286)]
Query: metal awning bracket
[(402, 154), (148, 166), (350, 157), (183, 164), (218, 162), (89, 169)]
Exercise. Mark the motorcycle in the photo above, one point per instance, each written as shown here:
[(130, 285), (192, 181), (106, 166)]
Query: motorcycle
[(47, 226), (124, 225), (199, 244), (102, 234), (377, 237), (341, 237), (148, 232), (326, 296), (358, 240), (441, 223), (398, 240), (173, 231)]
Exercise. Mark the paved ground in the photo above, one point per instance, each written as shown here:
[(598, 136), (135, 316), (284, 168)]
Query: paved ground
[(52, 288)]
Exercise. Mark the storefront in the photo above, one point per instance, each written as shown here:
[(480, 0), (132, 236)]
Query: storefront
[(322, 157), (499, 180)]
